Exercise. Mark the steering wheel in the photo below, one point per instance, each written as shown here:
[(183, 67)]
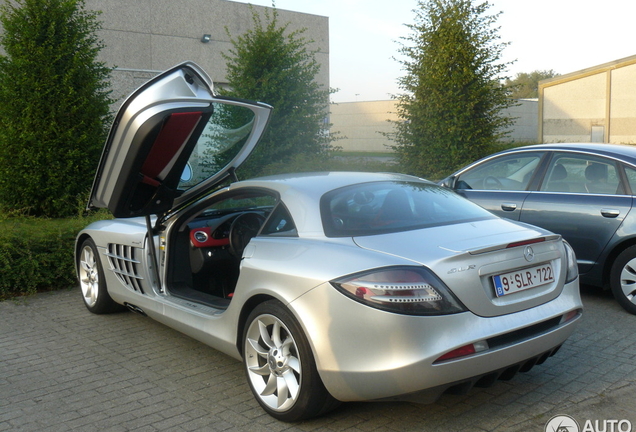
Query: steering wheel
[(244, 227), (491, 182)]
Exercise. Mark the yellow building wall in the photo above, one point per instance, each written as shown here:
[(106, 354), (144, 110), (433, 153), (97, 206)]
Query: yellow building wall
[(596, 104), (623, 106), (361, 125)]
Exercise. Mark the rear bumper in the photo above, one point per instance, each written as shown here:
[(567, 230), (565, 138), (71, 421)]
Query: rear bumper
[(430, 395), (394, 356)]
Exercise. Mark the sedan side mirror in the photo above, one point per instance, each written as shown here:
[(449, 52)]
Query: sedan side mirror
[(449, 182)]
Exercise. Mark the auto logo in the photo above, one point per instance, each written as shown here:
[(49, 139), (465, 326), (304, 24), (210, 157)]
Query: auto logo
[(528, 253), (562, 423)]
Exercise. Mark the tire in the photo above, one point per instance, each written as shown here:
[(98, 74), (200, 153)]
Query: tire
[(280, 367), (92, 281), (623, 279)]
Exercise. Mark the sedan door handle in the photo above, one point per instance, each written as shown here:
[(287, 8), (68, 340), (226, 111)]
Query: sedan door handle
[(610, 213), (508, 206)]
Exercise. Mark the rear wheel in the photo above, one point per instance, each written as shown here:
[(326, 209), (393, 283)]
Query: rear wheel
[(623, 279), (280, 367), (92, 281)]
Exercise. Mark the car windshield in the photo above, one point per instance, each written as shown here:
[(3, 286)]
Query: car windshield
[(382, 207)]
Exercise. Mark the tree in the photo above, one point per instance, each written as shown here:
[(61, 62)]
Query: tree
[(54, 104), (271, 64), (526, 85), (450, 113)]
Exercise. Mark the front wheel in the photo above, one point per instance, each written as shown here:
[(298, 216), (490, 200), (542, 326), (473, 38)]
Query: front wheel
[(623, 279), (92, 280), (280, 366)]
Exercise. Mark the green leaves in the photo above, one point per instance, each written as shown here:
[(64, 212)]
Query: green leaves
[(526, 85), (450, 111)]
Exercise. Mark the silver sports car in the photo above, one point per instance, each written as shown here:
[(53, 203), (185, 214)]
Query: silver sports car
[(328, 286)]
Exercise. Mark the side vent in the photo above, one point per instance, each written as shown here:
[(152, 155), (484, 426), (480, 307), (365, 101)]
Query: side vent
[(125, 266)]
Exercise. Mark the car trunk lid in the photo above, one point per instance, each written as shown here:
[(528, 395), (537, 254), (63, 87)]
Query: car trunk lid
[(477, 259)]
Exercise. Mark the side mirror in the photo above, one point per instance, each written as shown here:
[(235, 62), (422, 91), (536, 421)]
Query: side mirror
[(449, 182)]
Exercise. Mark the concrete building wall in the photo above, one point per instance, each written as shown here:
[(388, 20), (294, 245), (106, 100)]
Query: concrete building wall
[(596, 104), (144, 37), (525, 116)]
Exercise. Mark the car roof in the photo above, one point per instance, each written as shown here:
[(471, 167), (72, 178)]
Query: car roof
[(319, 183), (301, 192), (626, 153)]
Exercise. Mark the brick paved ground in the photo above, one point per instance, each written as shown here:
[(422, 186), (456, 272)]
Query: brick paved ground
[(64, 369)]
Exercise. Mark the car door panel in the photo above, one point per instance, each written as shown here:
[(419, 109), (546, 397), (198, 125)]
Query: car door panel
[(506, 204), (586, 221), (174, 139)]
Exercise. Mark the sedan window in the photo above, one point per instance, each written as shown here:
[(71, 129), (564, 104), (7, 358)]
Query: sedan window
[(631, 178), (581, 174), (508, 172)]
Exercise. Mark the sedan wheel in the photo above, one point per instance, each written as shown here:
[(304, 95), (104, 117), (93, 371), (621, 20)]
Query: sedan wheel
[(280, 367), (92, 281), (623, 279)]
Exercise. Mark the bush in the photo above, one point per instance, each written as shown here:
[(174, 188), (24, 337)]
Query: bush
[(451, 107), (37, 254), (272, 64), (54, 105)]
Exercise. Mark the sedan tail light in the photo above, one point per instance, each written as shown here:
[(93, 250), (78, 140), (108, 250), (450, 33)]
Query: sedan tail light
[(406, 290)]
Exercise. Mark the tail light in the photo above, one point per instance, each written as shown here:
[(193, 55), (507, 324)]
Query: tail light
[(464, 351), (406, 290), (573, 268)]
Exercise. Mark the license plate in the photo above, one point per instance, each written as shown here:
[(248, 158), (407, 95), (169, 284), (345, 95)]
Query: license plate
[(520, 280)]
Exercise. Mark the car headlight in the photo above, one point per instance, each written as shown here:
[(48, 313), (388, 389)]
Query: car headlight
[(405, 290), (573, 267)]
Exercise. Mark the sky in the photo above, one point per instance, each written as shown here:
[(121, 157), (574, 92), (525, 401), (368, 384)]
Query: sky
[(562, 35)]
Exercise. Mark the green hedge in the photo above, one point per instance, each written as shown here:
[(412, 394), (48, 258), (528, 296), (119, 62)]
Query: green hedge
[(37, 254)]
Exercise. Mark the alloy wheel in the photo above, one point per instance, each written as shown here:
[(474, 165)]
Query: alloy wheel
[(628, 280), (89, 275), (273, 363)]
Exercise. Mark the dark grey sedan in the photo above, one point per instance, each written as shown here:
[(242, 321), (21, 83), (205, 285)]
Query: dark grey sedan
[(585, 192)]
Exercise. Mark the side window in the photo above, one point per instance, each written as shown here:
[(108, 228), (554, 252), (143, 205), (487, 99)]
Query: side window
[(581, 174), (631, 178), (279, 223), (509, 172), (246, 201), (221, 141)]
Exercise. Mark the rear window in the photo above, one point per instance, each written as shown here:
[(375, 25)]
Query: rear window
[(382, 207)]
